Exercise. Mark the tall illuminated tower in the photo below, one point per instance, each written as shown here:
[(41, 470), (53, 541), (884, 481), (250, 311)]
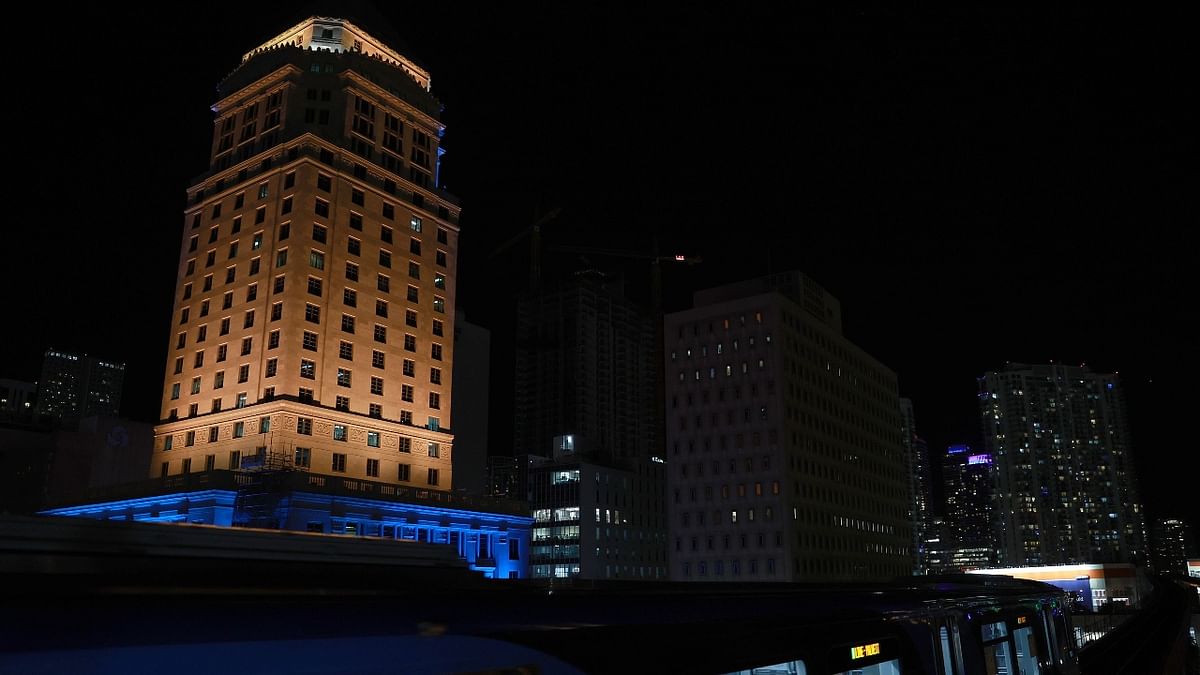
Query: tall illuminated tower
[(313, 318), (1066, 491)]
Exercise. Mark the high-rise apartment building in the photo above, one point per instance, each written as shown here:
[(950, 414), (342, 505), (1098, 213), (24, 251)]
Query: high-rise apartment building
[(1066, 491), (314, 307), (74, 386), (916, 457), (784, 455), (1173, 546), (585, 366), (969, 478)]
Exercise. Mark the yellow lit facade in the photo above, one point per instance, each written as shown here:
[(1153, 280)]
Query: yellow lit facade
[(314, 305)]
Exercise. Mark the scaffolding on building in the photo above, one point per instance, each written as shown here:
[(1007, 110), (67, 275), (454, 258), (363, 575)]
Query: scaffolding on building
[(262, 496)]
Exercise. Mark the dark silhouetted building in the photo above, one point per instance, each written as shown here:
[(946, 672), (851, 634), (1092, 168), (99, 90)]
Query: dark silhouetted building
[(74, 386), (916, 453), (18, 400), (472, 358), (784, 452), (968, 478), (1066, 491), (1174, 544), (585, 366)]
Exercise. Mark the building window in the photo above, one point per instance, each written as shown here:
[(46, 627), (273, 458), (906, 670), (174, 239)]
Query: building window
[(433, 476), (195, 385), (375, 410), (353, 246), (385, 259), (410, 343), (350, 297), (373, 467), (373, 440), (406, 417), (175, 391), (413, 294), (347, 323), (314, 286), (339, 432), (214, 432), (219, 379), (435, 375), (414, 270), (343, 377), (346, 350), (414, 246), (308, 369), (380, 333), (235, 459), (384, 283), (189, 439), (356, 196), (439, 281), (247, 346), (244, 373), (406, 392), (272, 367), (312, 313), (276, 311), (281, 257), (404, 473), (377, 359), (222, 353), (381, 308), (436, 352), (305, 395), (377, 385), (304, 426), (405, 445), (273, 339), (410, 318), (351, 271), (410, 367), (435, 400), (309, 341), (239, 429), (316, 259), (356, 222), (438, 329), (439, 305), (264, 425), (342, 403), (319, 233), (321, 208), (303, 457), (187, 465), (440, 258), (432, 449), (442, 236)]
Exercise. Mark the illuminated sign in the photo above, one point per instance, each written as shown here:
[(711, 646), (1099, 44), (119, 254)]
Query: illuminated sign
[(1021, 620), (863, 651), (680, 258), (979, 459)]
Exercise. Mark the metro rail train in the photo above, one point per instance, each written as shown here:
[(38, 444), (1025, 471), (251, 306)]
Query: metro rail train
[(124, 597)]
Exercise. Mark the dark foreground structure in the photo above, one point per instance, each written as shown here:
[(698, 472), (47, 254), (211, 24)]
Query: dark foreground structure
[(117, 597)]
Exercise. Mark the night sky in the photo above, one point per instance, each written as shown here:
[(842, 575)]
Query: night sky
[(975, 188)]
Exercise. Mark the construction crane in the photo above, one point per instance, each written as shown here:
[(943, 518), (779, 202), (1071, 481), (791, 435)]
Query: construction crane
[(534, 232)]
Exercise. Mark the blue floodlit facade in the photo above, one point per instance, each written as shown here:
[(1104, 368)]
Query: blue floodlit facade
[(494, 544)]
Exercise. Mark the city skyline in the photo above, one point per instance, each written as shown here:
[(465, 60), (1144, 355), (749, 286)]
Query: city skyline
[(961, 232)]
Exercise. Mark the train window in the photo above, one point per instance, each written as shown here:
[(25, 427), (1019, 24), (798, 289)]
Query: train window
[(1026, 648), (997, 651), (785, 668), (950, 664)]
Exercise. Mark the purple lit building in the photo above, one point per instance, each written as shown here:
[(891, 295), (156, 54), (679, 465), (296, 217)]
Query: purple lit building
[(969, 478)]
